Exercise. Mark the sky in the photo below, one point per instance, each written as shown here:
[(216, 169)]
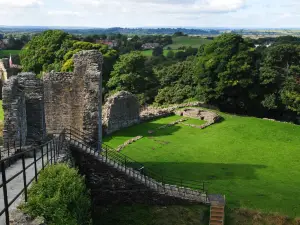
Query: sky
[(152, 13)]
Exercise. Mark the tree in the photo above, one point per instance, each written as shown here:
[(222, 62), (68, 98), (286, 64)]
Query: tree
[(158, 51), (131, 74), (170, 54), (54, 50), (177, 82), (227, 73), (178, 34), (279, 77), (41, 51)]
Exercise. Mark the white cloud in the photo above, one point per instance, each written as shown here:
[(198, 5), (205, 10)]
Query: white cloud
[(19, 3), (163, 6), (63, 13)]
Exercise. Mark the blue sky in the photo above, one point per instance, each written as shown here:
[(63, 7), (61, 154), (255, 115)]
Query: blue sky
[(153, 13)]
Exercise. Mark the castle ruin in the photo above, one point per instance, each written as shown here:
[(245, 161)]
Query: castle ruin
[(35, 107)]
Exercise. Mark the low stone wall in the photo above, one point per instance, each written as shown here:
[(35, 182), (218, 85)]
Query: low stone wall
[(132, 140)]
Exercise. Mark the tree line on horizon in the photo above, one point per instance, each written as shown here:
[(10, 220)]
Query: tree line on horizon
[(230, 72)]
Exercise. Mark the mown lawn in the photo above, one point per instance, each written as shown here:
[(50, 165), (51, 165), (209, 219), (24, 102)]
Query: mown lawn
[(254, 162), (6, 53), (188, 41)]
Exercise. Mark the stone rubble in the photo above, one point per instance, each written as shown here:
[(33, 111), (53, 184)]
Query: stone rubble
[(132, 140)]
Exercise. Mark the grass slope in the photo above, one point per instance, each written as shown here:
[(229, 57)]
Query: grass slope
[(187, 41), (254, 162), (6, 53)]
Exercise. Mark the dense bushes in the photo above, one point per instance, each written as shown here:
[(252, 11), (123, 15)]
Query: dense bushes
[(60, 196)]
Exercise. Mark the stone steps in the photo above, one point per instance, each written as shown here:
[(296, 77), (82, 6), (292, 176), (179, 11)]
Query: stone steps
[(166, 189)]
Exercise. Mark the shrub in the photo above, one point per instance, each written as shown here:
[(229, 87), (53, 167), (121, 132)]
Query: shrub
[(60, 196)]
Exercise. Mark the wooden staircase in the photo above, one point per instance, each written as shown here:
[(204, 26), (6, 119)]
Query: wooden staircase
[(217, 215), (217, 209)]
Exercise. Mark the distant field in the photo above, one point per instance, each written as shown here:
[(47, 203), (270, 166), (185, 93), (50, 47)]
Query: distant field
[(6, 53), (187, 41), (149, 52)]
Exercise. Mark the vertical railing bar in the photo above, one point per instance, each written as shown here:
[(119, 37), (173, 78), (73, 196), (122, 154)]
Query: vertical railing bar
[(35, 166), (47, 147), (8, 152), (5, 192), (43, 164), (51, 153), (24, 177)]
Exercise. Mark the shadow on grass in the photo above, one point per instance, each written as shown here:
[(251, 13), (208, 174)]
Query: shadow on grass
[(143, 130), (205, 171)]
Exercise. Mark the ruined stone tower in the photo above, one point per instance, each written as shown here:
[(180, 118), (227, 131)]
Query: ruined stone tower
[(71, 99), (34, 107)]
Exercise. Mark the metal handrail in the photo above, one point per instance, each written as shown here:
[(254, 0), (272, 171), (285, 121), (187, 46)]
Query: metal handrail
[(49, 150), (110, 152)]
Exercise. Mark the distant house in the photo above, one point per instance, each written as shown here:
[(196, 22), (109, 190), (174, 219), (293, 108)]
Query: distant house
[(150, 46), (111, 44), (6, 41)]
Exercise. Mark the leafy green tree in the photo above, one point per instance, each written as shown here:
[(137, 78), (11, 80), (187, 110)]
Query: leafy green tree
[(279, 77), (227, 73), (42, 50), (131, 74), (158, 51), (170, 54), (177, 82)]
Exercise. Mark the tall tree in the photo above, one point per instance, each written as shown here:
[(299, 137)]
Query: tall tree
[(227, 73), (41, 51), (131, 74)]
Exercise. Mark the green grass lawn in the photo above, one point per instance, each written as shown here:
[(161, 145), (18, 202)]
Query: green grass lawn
[(254, 162), (149, 52), (6, 53), (187, 41)]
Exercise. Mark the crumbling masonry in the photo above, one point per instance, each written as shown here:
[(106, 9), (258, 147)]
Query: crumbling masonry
[(34, 107)]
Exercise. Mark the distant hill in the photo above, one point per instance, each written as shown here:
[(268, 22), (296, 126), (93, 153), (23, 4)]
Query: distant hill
[(114, 30)]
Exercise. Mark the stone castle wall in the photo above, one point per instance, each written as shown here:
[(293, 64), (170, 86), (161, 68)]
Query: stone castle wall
[(6, 72), (121, 110), (34, 97), (71, 99), (60, 100), (15, 124)]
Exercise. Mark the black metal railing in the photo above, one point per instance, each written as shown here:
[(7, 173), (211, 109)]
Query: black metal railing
[(110, 153), (42, 155)]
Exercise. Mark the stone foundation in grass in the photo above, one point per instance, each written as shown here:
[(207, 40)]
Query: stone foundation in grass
[(132, 140), (210, 117)]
